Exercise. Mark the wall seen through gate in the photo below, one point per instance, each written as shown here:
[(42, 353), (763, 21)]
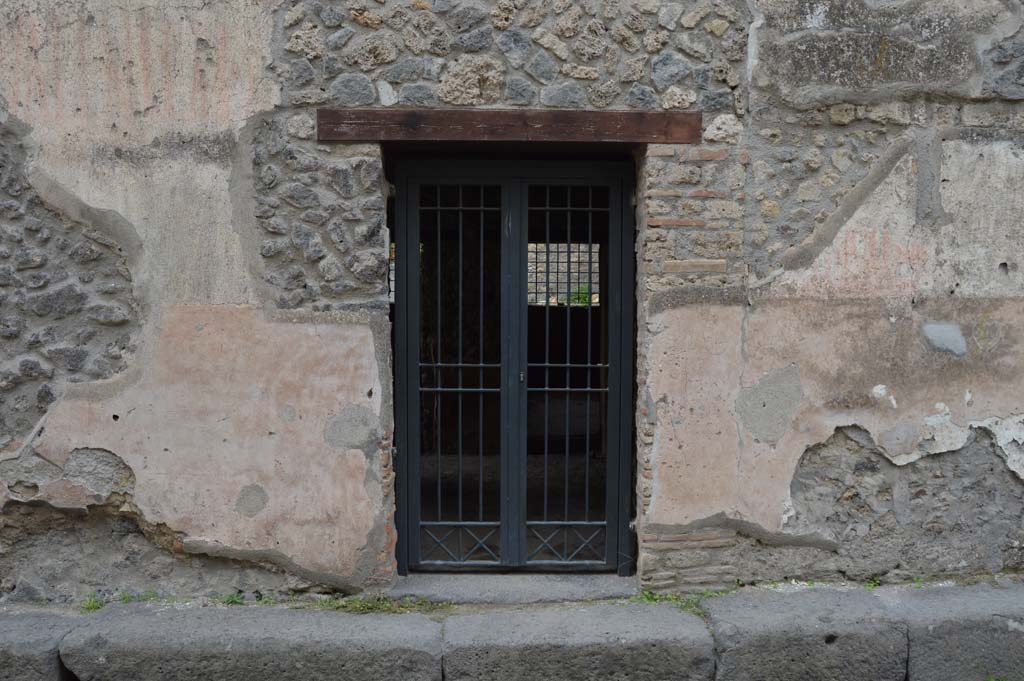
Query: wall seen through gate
[(196, 388)]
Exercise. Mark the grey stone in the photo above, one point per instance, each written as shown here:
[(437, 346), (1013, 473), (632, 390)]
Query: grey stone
[(302, 72), (407, 70), (465, 17), (477, 40), (515, 44), (337, 40), (864, 52), (332, 16), (564, 95), (945, 337), (694, 45), (417, 94), (668, 68), (961, 632), (167, 643), (520, 91), (717, 100), (352, 89), (641, 642), (29, 643), (837, 634), (543, 67), (642, 97)]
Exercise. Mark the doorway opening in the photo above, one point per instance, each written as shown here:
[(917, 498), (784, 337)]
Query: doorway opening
[(513, 310)]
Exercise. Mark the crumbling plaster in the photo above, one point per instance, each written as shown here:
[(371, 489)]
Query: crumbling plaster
[(852, 323), (832, 275), (139, 120)]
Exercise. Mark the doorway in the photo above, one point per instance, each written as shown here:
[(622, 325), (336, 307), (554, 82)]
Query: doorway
[(514, 327)]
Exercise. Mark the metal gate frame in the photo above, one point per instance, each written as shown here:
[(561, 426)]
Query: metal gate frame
[(513, 177)]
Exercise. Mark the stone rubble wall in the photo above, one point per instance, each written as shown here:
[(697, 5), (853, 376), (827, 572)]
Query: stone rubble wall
[(829, 284)]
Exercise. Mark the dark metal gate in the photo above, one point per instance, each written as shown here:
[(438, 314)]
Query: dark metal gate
[(514, 365)]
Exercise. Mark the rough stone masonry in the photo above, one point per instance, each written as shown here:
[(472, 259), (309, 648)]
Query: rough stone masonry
[(195, 393)]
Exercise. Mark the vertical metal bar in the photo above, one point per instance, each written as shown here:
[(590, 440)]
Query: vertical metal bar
[(401, 450), (624, 541), (439, 359), (508, 372), (568, 352), (520, 238), (480, 396), (547, 334), (590, 357), (412, 238), (458, 332)]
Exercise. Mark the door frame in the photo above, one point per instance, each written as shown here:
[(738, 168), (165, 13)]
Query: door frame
[(513, 176)]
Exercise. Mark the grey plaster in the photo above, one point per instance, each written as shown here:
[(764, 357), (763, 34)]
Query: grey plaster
[(766, 408), (354, 427), (945, 337), (251, 500)]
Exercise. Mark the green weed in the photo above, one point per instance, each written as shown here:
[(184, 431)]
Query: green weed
[(91, 603), (361, 605), (236, 598), (690, 604)]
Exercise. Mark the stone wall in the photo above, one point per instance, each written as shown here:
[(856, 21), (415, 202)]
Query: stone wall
[(829, 284)]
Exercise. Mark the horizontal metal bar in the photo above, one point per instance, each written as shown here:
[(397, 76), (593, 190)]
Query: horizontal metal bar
[(460, 390), (562, 209), (566, 523), (568, 390), (459, 523), (564, 562), (444, 365), (568, 366), (492, 209)]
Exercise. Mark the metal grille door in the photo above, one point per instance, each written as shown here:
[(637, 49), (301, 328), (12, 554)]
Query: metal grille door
[(514, 364)]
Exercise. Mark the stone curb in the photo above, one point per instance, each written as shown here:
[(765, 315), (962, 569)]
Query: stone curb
[(581, 643), (935, 633)]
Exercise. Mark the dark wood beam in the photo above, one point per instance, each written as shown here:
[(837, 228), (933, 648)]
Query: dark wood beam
[(507, 125)]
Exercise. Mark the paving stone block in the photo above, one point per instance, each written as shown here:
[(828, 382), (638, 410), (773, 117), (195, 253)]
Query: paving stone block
[(29, 643), (171, 643), (635, 642), (840, 635), (962, 633)]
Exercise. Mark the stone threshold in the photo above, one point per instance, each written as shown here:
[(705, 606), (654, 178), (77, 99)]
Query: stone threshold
[(513, 589), (931, 633)]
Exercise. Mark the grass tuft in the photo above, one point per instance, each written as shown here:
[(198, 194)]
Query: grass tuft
[(91, 603), (362, 605)]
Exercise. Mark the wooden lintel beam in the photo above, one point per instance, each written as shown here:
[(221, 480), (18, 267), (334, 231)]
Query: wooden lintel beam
[(507, 125)]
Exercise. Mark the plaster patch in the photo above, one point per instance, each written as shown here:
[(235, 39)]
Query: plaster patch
[(251, 500), (766, 409), (354, 427), (945, 337)]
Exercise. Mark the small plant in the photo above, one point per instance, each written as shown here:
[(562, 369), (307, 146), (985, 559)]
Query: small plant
[(265, 600), (580, 296), (918, 582), (361, 605), (690, 604), (995, 678), (873, 583), (144, 597), (236, 598), (91, 603)]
